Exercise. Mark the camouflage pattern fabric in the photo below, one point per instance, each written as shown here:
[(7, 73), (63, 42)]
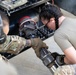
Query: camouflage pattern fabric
[(13, 44), (8, 4), (66, 70)]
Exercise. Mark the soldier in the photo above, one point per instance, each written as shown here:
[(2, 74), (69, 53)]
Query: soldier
[(65, 36)]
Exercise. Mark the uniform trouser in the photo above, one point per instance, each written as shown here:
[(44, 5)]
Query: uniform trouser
[(66, 70)]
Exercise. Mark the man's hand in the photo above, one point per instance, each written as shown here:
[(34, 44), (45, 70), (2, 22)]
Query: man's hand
[(37, 44)]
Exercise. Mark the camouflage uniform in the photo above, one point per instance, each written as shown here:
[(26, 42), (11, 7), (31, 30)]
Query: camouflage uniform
[(66, 70), (13, 44)]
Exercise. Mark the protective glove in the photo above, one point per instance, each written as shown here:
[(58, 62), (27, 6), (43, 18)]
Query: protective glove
[(55, 54), (37, 44), (60, 60)]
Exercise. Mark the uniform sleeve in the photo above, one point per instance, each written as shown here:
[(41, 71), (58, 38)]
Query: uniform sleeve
[(65, 70), (13, 44), (62, 41)]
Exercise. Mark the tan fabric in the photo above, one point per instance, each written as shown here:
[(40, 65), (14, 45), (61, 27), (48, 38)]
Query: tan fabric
[(65, 36), (13, 44), (65, 70), (37, 44)]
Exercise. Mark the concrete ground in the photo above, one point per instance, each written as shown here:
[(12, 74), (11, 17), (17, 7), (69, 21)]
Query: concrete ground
[(27, 63)]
